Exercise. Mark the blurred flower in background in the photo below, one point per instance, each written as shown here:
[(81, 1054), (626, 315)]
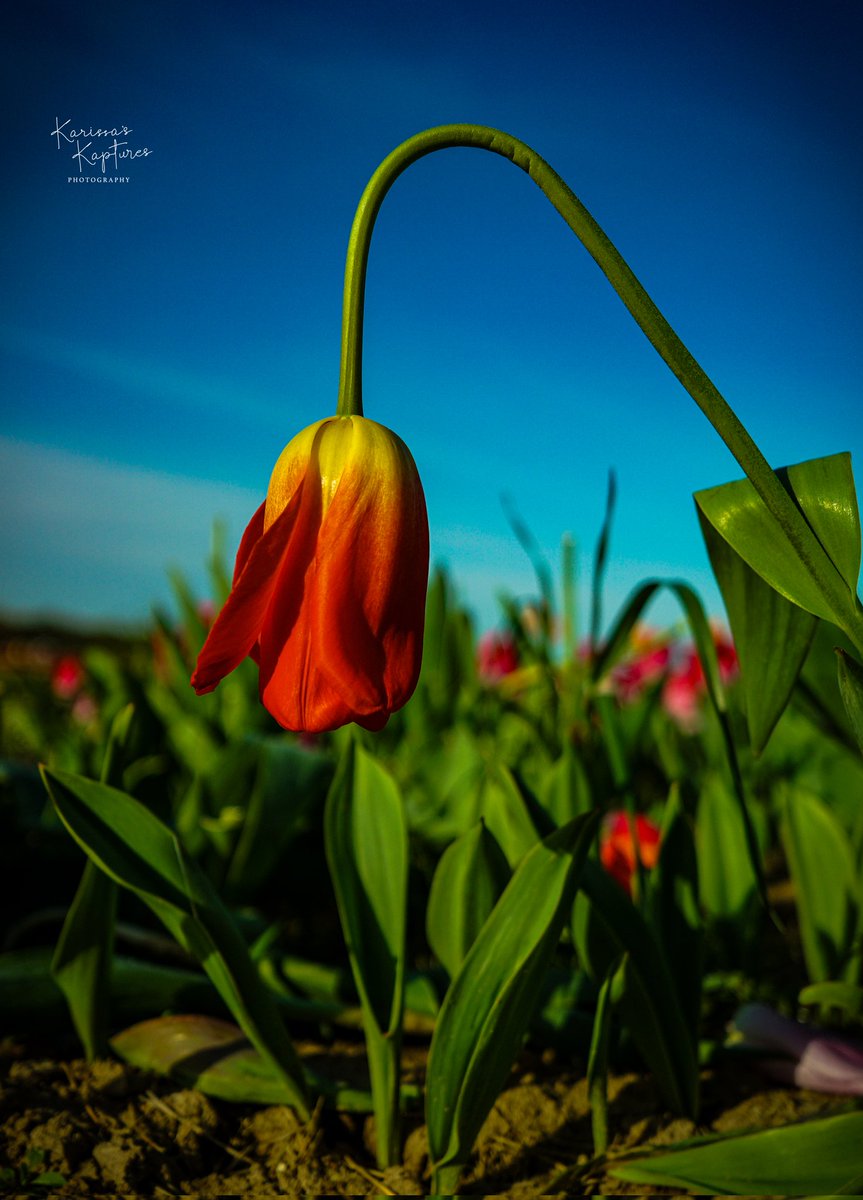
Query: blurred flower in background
[(616, 849), (805, 1056), (497, 656), (67, 676)]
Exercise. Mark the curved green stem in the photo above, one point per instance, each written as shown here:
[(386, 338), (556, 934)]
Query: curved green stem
[(663, 338)]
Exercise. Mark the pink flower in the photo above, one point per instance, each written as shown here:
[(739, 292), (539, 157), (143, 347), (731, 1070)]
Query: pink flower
[(67, 676), (616, 851), (685, 687), (497, 655), (632, 677), (807, 1057)]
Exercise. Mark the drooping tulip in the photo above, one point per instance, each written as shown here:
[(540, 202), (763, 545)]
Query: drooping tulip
[(330, 582)]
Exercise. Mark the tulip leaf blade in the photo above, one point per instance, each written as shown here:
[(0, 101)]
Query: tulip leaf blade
[(823, 490), (366, 842), (489, 1004), (565, 789), (605, 925), (806, 1158), (212, 1055), (771, 635), (503, 808), (728, 884), (131, 845), (82, 960), (826, 887), (289, 782), (851, 690), (467, 883), (674, 910)]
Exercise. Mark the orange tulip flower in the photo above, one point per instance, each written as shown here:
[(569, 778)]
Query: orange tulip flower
[(616, 851), (330, 582)]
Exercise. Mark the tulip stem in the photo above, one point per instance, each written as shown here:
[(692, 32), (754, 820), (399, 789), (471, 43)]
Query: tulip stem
[(663, 338)]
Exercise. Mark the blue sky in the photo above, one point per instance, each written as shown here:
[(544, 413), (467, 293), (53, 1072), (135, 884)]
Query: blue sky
[(162, 340)]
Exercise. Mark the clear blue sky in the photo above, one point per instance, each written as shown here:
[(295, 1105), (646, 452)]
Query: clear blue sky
[(162, 339)]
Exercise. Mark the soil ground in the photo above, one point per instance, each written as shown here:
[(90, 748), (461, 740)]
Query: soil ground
[(111, 1129)]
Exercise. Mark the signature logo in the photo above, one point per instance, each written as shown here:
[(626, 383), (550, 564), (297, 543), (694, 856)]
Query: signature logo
[(88, 148)]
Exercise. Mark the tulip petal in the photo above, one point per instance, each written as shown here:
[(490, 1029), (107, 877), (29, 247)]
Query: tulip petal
[(237, 627), (347, 645)]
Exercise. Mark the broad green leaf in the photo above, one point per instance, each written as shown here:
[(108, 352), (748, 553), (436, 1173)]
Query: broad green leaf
[(702, 635), (824, 489), (467, 883), (141, 853), (488, 1007), (793, 1160), (728, 886), (827, 889), (290, 782), (851, 688), (82, 959), (771, 635), (30, 999), (825, 583), (367, 853), (847, 997), (502, 807), (597, 1063), (213, 1056), (605, 925), (565, 789), (818, 692), (674, 913)]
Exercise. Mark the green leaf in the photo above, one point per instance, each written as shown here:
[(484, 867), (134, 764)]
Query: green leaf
[(771, 635), (673, 905), (213, 1056), (469, 878), (597, 1063), (488, 1007), (505, 812), (82, 960), (827, 889), (137, 850), (607, 924), (851, 689), (599, 562), (367, 853), (728, 885), (847, 997), (794, 1160), (823, 488), (624, 623), (290, 783), (565, 788)]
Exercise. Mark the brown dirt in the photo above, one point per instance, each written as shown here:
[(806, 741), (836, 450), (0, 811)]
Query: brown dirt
[(111, 1129)]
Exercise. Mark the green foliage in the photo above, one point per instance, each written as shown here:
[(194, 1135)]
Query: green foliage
[(367, 852), (793, 1160), (427, 873), (489, 1004), (136, 850), (820, 573), (607, 926), (469, 878), (827, 887)]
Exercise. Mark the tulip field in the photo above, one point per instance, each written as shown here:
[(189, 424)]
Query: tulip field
[(313, 887)]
